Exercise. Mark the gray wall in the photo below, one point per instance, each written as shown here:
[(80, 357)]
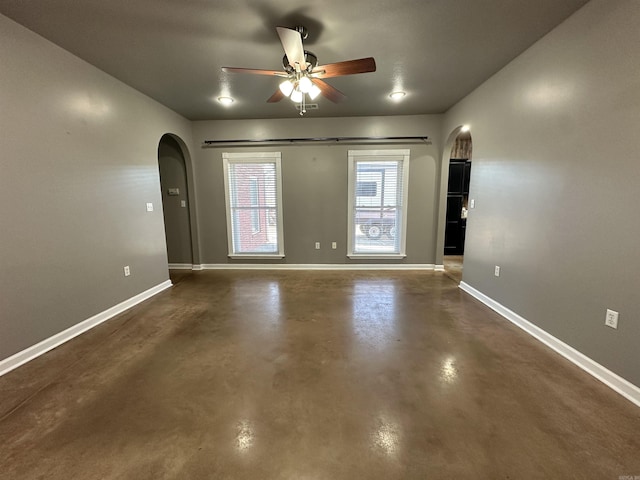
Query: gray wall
[(177, 227), (555, 178), (79, 163), (315, 184)]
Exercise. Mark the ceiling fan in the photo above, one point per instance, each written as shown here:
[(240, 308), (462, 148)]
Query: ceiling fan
[(302, 74)]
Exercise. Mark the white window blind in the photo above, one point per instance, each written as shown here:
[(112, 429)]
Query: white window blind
[(378, 183), (254, 204)]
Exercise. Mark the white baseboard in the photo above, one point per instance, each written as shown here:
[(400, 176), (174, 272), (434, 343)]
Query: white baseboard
[(184, 266), (180, 266), (52, 342), (625, 388), (316, 266), (439, 268)]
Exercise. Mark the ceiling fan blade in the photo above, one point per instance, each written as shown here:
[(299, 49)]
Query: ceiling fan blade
[(329, 92), (276, 97), (292, 44), (255, 71), (349, 67)]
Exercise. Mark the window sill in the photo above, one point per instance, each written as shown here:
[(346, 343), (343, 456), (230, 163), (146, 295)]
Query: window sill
[(257, 256), (377, 256)]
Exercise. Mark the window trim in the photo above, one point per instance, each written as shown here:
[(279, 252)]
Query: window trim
[(401, 155), (253, 157)]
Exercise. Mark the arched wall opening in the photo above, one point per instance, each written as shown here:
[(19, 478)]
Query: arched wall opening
[(454, 197), (180, 219)]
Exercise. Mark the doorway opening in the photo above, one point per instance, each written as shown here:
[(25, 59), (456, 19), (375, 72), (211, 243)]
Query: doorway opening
[(457, 204), (175, 203)]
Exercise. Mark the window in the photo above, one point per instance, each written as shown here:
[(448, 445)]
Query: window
[(252, 185), (378, 181)]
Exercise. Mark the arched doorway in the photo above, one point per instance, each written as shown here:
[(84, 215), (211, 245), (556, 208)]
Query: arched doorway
[(456, 175), (458, 194), (176, 205)]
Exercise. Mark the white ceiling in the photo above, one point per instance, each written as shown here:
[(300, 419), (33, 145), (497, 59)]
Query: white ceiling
[(437, 51)]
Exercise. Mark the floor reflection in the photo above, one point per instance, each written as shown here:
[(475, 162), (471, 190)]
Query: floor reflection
[(374, 312), (449, 371), (386, 436), (244, 436)]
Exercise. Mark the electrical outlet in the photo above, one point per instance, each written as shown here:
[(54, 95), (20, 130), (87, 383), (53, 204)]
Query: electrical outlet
[(334, 245), (127, 271), (611, 319), (149, 207), (183, 203), (496, 272), (317, 245)]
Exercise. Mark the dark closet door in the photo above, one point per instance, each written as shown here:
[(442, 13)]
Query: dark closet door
[(457, 194)]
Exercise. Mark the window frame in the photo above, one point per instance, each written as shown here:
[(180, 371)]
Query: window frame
[(253, 157), (372, 156)]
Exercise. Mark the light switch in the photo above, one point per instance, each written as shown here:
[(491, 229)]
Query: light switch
[(183, 203), (611, 319), (472, 204), (149, 207)]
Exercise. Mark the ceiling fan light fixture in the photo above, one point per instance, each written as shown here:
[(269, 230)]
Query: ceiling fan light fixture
[(286, 87), (225, 100), (305, 84), (397, 96), (314, 91), (296, 96)]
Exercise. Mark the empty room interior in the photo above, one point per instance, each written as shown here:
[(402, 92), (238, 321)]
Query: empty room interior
[(319, 240)]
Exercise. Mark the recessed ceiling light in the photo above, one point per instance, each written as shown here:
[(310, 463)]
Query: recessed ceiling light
[(396, 95), (225, 100)]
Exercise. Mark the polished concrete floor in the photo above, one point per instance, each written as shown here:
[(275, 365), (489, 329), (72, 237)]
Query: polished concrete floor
[(311, 375)]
